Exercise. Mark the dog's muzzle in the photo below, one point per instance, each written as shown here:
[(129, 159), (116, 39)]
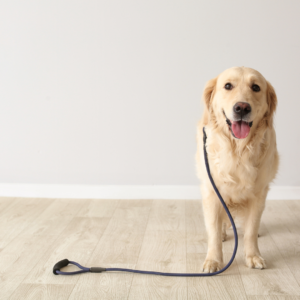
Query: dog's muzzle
[(239, 129)]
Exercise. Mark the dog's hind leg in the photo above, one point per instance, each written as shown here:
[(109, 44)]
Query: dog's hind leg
[(226, 225), (224, 235)]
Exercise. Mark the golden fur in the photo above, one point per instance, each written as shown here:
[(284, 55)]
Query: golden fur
[(242, 168)]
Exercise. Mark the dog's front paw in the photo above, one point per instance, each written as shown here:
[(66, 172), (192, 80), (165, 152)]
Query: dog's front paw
[(211, 266), (256, 262)]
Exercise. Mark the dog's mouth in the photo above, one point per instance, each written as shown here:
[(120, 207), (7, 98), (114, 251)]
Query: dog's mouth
[(239, 129)]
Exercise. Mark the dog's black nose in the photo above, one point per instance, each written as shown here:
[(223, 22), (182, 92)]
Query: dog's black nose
[(242, 108)]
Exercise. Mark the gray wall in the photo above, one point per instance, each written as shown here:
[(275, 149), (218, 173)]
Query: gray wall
[(108, 92)]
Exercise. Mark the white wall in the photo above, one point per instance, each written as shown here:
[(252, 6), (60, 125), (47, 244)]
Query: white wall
[(108, 92)]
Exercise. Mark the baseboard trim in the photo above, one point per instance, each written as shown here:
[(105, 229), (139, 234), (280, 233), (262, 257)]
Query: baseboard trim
[(189, 192)]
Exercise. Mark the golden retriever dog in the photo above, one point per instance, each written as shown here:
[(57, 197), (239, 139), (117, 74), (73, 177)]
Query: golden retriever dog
[(243, 158)]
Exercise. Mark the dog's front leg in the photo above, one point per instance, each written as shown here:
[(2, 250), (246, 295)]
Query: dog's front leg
[(212, 209), (251, 226)]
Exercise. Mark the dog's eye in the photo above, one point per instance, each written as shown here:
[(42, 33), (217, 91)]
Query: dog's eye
[(255, 88), (228, 86)]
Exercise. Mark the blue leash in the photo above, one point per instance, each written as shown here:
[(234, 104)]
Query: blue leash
[(65, 262)]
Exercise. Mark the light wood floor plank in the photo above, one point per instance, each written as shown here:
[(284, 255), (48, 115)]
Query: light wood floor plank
[(77, 243), (98, 208), (118, 247), (195, 228), (277, 279), (27, 250), (54, 219), (22, 254), (294, 206), (167, 215), (42, 291), (154, 235), (49, 223), (273, 297), (163, 250), (5, 202), (282, 223), (18, 216), (18, 257)]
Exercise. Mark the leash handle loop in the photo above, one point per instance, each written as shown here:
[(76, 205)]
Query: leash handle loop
[(64, 263), (59, 265)]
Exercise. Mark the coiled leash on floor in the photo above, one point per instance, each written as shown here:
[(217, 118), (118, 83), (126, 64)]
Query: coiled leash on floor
[(65, 262)]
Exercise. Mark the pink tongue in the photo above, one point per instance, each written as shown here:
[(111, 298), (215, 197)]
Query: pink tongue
[(240, 129)]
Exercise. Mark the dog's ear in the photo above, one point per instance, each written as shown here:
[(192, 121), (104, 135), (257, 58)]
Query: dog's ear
[(209, 91), (272, 101)]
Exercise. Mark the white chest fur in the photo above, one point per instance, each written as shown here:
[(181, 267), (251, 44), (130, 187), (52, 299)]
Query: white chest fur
[(234, 170)]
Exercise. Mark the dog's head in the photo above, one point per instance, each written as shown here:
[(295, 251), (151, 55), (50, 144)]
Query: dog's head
[(239, 98)]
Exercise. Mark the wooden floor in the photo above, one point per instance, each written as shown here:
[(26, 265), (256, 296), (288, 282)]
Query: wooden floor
[(161, 235)]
